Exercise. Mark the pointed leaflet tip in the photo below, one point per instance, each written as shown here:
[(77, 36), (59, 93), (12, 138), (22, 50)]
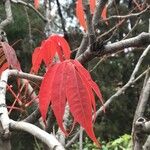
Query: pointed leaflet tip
[(46, 89), (80, 14), (63, 81), (64, 49), (79, 100), (36, 4), (49, 49), (3, 67), (87, 76), (58, 95), (92, 6), (104, 14), (36, 60), (55, 44)]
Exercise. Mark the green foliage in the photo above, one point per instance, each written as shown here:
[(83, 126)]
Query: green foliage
[(122, 143)]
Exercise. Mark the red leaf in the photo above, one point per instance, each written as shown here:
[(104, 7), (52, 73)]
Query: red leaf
[(46, 89), (87, 76), (4, 67), (36, 4), (63, 46), (55, 44), (36, 60), (48, 48), (58, 95), (90, 93), (10, 56), (80, 13), (79, 101), (104, 14), (92, 6), (69, 81)]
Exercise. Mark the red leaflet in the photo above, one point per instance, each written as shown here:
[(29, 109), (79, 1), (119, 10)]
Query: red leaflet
[(79, 101), (58, 95), (87, 77), (80, 12), (36, 4), (92, 6), (90, 92), (63, 48), (36, 60), (46, 89), (104, 14), (10, 56), (48, 49), (69, 81), (55, 44), (4, 67)]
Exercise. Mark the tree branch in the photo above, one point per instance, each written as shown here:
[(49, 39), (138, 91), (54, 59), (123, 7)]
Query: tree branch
[(62, 20), (129, 83), (90, 29), (9, 17), (46, 138), (50, 140), (132, 15), (30, 6), (98, 11), (141, 40), (139, 126)]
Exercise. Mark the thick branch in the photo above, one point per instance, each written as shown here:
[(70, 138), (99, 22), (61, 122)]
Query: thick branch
[(33, 117), (141, 40), (9, 17), (142, 100), (141, 126), (23, 75), (90, 29), (46, 138)]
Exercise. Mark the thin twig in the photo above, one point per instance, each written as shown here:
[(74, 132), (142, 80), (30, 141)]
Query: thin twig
[(132, 15), (30, 6), (61, 18)]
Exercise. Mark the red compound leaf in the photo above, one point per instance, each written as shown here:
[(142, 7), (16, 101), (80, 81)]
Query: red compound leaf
[(69, 81), (80, 12), (55, 44), (8, 57)]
